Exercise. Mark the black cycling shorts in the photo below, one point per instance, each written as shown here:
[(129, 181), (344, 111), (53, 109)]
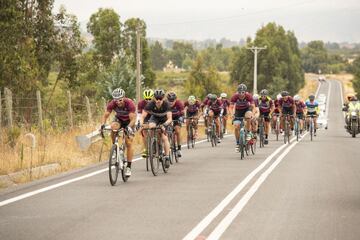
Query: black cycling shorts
[(157, 120)]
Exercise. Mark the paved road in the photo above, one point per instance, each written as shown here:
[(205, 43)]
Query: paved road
[(305, 190)]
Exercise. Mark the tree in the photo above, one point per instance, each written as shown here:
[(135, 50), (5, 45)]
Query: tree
[(356, 72), (105, 27), (130, 28), (315, 57), (279, 66), (158, 56), (180, 51), (201, 82)]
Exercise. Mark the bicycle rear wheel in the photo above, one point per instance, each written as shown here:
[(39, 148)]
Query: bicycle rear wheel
[(242, 146), (113, 166), (174, 147), (286, 132), (189, 136), (262, 138), (311, 129), (154, 157), (277, 130)]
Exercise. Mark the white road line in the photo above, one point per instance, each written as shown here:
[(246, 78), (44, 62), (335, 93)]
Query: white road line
[(328, 101), (342, 96), (229, 218), (41, 190), (220, 207), (318, 89)]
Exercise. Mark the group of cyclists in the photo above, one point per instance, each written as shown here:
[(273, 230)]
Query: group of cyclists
[(159, 108)]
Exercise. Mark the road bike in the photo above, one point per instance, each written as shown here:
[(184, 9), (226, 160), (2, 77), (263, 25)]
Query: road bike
[(155, 149), (222, 127), (173, 142), (297, 128), (191, 132), (212, 133), (311, 126), (287, 128), (261, 131), (117, 160), (277, 126)]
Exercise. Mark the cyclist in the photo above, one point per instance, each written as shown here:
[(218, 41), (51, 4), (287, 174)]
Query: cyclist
[(125, 118), (148, 95), (312, 109), (266, 107), (353, 105), (205, 110), (300, 110), (226, 104), (160, 112), (192, 110), (177, 109), (348, 100), (276, 112), (241, 106), (287, 106), (215, 109)]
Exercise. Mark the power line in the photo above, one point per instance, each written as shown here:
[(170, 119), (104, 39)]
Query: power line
[(231, 17)]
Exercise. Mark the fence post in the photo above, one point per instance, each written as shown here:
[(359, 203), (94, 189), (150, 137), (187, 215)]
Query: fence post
[(87, 101), (41, 123), (70, 111), (8, 103)]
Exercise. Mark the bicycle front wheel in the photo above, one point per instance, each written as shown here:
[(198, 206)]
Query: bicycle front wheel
[(154, 157), (113, 165)]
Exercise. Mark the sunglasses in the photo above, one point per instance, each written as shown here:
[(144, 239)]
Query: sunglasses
[(159, 99), (243, 92), (119, 100)]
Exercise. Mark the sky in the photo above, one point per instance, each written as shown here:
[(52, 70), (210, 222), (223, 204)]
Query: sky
[(327, 20)]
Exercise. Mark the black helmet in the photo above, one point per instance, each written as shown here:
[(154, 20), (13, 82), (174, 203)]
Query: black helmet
[(171, 96), (284, 93), (159, 93), (241, 88), (264, 92), (311, 96)]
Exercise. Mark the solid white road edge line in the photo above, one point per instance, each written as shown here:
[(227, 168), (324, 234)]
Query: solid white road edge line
[(328, 101), (225, 223), (220, 207), (342, 96), (41, 190)]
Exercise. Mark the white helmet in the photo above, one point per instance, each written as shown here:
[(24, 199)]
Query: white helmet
[(223, 95), (255, 97), (278, 97), (297, 98), (118, 93)]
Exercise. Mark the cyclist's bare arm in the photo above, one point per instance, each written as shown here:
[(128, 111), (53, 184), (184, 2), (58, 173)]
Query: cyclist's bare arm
[(132, 117), (143, 116), (169, 118)]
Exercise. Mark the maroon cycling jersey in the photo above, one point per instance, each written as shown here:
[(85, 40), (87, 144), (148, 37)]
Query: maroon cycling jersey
[(276, 104), (192, 108), (300, 106), (242, 104), (215, 106), (225, 103), (287, 104), (205, 102), (142, 105), (122, 113), (265, 105), (177, 109)]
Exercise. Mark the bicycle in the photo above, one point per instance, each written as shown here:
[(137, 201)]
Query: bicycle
[(261, 131), (212, 133), (222, 128), (172, 141), (244, 145), (297, 128), (287, 128), (311, 126), (117, 161), (277, 126), (155, 150), (190, 132), (206, 127)]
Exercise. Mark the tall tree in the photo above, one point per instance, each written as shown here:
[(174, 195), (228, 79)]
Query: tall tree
[(131, 26), (315, 57), (356, 72), (158, 56), (105, 26)]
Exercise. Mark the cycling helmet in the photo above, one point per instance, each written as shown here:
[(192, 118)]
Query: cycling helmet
[(241, 88), (213, 97), (171, 96), (191, 100), (223, 95), (297, 98), (264, 92), (278, 97), (311, 96), (148, 94), (159, 93), (255, 97), (209, 95), (118, 93), (284, 93)]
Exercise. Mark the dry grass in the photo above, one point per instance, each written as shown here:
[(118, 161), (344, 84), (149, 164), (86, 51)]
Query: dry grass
[(311, 83), (346, 80)]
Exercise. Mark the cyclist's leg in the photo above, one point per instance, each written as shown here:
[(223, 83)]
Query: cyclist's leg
[(248, 120), (217, 123), (115, 125), (267, 125), (210, 118)]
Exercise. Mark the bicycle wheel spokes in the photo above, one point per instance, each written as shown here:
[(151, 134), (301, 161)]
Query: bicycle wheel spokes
[(113, 166), (153, 157)]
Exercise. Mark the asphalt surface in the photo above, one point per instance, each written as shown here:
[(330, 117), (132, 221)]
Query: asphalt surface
[(307, 190)]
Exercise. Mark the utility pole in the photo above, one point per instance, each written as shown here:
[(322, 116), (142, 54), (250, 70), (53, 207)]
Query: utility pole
[(138, 64), (256, 50)]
